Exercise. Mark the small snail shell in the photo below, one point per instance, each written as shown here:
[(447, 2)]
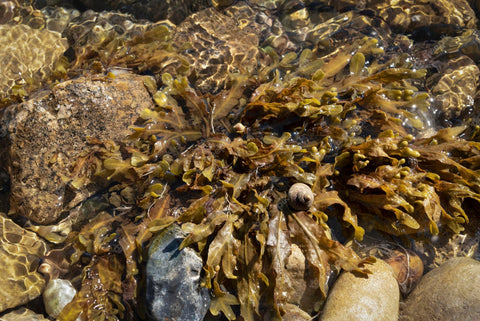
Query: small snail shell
[(300, 197), (240, 128)]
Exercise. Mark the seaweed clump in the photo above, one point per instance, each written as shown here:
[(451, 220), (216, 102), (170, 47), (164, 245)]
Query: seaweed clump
[(220, 165)]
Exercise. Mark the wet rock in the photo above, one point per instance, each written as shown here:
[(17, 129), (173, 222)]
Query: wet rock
[(58, 293), (4, 190), (218, 43), (58, 18), (46, 134), (294, 313), (345, 5), (449, 292), (91, 30), (22, 314), (173, 290), (20, 254), (304, 290), (475, 4), (468, 44), (361, 299), (291, 313), (268, 4), (29, 13)]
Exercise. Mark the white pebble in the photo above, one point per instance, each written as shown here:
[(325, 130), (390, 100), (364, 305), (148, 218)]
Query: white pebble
[(58, 293)]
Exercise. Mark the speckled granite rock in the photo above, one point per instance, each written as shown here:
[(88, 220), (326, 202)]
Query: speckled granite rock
[(173, 290), (354, 298), (45, 135), (449, 292)]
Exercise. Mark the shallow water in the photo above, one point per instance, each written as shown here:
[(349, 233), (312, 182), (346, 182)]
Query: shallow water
[(358, 101)]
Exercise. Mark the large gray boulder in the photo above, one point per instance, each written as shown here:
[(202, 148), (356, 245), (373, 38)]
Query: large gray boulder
[(449, 292), (173, 290)]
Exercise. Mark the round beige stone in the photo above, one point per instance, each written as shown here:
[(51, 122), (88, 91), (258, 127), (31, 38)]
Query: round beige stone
[(356, 298), (449, 292)]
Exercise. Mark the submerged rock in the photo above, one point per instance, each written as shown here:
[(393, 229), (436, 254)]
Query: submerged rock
[(304, 291), (154, 10), (173, 290), (20, 254), (294, 313), (22, 314), (46, 134), (354, 298), (423, 19), (219, 45), (449, 292), (58, 293), (455, 91), (28, 55), (426, 19)]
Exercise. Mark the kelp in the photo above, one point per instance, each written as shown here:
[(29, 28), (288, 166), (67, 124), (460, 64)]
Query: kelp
[(101, 288), (235, 235), (107, 41), (347, 86), (409, 187), (219, 165)]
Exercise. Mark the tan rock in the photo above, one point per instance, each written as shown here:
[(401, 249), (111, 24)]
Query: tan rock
[(20, 254), (46, 134), (304, 291), (354, 298), (22, 314), (449, 292), (294, 313)]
